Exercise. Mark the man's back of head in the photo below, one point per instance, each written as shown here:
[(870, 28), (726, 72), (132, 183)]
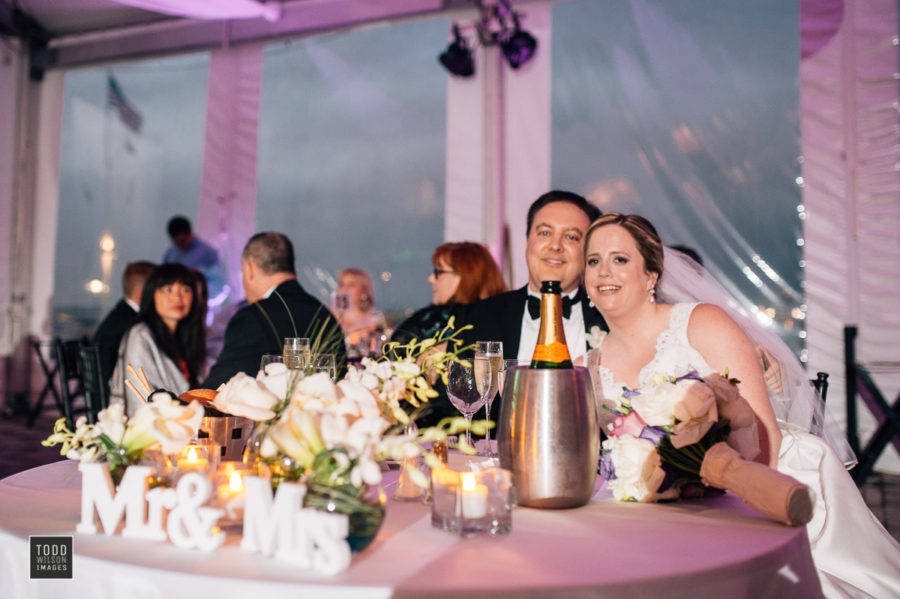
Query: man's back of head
[(272, 253), (133, 279)]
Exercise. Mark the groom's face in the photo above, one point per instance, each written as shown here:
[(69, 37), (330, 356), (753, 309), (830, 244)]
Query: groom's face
[(553, 251)]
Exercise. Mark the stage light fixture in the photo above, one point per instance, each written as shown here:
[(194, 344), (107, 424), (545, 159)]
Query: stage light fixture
[(457, 58), (519, 46)]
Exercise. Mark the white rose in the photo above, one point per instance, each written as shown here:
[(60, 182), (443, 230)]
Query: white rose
[(317, 385), (656, 406), (637, 466), (247, 397), (276, 378)]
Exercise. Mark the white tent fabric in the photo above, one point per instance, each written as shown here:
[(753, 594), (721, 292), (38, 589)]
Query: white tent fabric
[(851, 136)]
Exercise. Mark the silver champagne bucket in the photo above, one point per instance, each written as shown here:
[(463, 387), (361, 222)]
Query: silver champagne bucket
[(548, 436)]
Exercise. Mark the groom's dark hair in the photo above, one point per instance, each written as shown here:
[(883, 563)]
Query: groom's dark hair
[(591, 211)]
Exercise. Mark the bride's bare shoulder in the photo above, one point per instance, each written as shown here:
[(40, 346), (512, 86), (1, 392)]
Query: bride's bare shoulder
[(711, 321)]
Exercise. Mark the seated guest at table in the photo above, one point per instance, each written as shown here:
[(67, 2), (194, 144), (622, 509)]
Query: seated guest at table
[(354, 306), (109, 333), (639, 289), (169, 341), (464, 272), (556, 225), (278, 307)]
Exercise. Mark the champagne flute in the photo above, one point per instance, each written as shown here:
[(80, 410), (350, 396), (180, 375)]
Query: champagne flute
[(492, 352), (296, 352), (324, 363), (462, 389)]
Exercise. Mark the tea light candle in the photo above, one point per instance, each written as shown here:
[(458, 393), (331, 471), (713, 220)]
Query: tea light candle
[(231, 491), (472, 496), (191, 458)]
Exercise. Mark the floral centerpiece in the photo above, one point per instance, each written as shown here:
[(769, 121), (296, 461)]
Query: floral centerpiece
[(333, 436), (676, 435), (161, 424)]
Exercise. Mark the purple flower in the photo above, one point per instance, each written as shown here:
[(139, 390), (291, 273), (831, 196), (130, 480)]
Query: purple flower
[(607, 470), (692, 376), (654, 434), (629, 393)]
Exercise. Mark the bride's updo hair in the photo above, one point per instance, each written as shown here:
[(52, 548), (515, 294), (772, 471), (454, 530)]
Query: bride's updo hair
[(642, 231)]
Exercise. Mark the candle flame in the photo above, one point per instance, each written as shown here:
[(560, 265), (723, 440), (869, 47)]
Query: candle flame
[(468, 481), (235, 483), (192, 455)]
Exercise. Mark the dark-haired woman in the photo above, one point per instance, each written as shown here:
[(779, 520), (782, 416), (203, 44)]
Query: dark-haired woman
[(169, 340)]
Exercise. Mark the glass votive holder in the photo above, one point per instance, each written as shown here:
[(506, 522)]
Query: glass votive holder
[(485, 502), (230, 490), (444, 499), (194, 457)]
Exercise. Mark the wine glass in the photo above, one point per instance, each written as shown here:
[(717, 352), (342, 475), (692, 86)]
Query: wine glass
[(324, 363), (492, 353), (296, 352), (462, 389), (270, 359)]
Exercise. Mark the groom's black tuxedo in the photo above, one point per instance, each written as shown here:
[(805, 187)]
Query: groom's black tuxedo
[(499, 318), (260, 328)]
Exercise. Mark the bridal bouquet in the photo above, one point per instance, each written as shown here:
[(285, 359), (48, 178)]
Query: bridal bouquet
[(675, 434), (162, 423)]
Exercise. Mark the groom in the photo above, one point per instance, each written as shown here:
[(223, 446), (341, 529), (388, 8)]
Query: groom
[(557, 222)]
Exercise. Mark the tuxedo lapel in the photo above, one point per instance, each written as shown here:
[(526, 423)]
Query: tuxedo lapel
[(512, 321)]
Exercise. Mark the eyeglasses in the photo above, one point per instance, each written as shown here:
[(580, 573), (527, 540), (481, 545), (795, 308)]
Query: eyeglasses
[(438, 272)]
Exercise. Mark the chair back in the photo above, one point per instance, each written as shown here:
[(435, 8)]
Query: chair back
[(821, 384), (71, 387), (96, 391)]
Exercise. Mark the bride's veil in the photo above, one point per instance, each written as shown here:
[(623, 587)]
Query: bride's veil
[(797, 407)]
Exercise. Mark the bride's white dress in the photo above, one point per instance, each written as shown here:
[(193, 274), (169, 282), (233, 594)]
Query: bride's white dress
[(854, 554)]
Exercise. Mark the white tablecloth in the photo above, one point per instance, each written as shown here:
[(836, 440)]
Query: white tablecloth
[(714, 547)]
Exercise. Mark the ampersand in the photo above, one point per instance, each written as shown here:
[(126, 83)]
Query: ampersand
[(189, 524)]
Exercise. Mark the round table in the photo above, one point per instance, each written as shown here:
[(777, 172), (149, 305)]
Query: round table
[(715, 547)]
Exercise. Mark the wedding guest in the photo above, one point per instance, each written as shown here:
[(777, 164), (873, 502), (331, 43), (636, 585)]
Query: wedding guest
[(354, 306), (190, 250), (277, 307), (122, 317), (632, 281), (464, 272), (168, 341)]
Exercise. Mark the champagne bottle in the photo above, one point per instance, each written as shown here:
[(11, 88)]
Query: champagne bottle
[(551, 350)]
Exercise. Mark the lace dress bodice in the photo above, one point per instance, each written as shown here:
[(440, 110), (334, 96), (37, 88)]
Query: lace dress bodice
[(674, 357)]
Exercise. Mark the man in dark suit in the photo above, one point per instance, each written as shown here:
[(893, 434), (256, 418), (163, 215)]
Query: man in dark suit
[(125, 313), (278, 307), (557, 222)]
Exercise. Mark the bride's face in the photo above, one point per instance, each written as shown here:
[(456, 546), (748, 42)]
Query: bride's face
[(614, 274)]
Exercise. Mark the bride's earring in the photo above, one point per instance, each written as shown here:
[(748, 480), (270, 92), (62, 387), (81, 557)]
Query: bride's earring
[(653, 295), (591, 303)]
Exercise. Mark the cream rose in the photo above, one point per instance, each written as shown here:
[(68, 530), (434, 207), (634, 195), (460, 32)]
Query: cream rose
[(637, 468), (247, 397)]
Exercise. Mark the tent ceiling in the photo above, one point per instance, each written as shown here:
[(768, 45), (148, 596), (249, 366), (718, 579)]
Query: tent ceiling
[(79, 32)]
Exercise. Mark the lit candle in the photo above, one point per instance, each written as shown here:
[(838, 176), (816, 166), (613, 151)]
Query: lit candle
[(231, 492), (473, 497), (191, 459)]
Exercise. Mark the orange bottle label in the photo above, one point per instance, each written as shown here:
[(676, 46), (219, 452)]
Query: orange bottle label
[(555, 352)]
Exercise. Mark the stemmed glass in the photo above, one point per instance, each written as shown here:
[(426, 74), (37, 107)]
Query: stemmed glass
[(462, 389), (489, 355), (507, 364)]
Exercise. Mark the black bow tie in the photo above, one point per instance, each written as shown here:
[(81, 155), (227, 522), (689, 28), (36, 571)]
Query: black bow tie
[(534, 305)]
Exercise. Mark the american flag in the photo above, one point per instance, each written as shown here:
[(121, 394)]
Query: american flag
[(130, 117)]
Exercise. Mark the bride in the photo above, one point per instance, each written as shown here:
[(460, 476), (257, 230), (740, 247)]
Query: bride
[(631, 280)]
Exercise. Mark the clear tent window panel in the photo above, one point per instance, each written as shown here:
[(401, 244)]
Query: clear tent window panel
[(687, 113), (351, 156), (130, 159)]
